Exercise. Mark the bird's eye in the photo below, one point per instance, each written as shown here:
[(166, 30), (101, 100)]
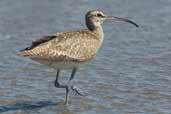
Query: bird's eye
[(100, 15)]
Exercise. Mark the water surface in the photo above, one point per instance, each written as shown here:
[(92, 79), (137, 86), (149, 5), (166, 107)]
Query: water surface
[(130, 75)]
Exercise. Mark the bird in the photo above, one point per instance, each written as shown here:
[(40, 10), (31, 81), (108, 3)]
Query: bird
[(71, 49)]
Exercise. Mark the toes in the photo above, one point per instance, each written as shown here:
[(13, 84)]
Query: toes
[(77, 91)]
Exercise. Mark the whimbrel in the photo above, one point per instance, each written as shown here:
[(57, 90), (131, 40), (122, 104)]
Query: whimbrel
[(69, 50)]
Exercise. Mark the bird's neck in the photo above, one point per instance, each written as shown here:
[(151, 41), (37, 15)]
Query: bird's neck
[(98, 31), (95, 27)]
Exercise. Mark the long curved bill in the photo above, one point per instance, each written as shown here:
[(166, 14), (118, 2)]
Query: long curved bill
[(122, 19)]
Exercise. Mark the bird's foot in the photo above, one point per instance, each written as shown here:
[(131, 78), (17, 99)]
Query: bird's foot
[(77, 91)]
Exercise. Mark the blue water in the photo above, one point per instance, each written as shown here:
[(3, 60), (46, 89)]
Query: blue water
[(130, 75)]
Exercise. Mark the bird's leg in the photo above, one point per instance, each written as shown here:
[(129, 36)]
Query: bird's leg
[(58, 85), (74, 88)]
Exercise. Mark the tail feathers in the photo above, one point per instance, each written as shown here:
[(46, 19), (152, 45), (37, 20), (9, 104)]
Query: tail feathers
[(25, 53)]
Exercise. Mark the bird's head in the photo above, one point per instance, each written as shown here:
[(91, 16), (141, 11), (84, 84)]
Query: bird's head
[(94, 18)]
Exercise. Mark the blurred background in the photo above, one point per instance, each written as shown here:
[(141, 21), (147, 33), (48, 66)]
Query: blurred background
[(130, 75)]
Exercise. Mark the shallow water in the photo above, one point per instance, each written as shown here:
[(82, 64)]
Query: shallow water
[(130, 75)]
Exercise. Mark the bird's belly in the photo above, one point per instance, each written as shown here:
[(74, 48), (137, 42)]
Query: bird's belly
[(61, 64), (65, 65)]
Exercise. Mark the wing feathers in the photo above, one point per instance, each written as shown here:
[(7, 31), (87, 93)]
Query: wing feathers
[(40, 41)]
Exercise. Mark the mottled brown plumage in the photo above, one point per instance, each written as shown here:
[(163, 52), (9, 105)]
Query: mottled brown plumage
[(40, 41), (65, 46)]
